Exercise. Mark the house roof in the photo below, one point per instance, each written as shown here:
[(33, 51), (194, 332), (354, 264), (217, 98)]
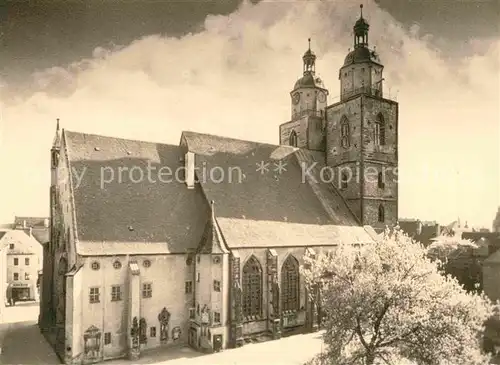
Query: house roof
[(118, 215), (30, 221), (251, 194), (23, 243)]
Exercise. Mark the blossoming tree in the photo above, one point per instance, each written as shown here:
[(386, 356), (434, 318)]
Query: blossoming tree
[(387, 303)]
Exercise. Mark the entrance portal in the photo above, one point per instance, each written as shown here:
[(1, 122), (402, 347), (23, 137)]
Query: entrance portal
[(192, 338)]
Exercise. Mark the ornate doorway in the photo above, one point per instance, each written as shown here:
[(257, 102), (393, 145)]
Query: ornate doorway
[(92, 343)]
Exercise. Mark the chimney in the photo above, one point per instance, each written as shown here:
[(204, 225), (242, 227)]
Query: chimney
[(46, 223), (189, 169), (24, 224), (31, 232)]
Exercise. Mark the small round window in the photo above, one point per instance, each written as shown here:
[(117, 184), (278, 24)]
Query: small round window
[(95, 265), (146, 263), (117, 264)]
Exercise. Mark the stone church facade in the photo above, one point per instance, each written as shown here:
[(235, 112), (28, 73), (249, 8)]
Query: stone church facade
[(180, 258)]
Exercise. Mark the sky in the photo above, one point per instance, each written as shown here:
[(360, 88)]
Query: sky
[(150, 69)]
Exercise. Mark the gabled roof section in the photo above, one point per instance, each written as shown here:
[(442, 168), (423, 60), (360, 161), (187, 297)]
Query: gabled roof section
[(212, 240), (255, 188), (23, 243), (120, 209)]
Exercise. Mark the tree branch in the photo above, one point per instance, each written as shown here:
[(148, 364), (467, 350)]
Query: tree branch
[(399, 338), (378, 321), (360, 334)]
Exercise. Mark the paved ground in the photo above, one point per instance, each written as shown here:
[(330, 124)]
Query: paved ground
[(22, 343), (20, 338)]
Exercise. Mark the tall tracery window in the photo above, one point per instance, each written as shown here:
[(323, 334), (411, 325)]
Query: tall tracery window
[(252, 288), (379, 132), (293, 140), (381, 213), (345, 138), (290, 284)]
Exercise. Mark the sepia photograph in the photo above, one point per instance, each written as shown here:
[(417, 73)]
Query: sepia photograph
[(250, 182)]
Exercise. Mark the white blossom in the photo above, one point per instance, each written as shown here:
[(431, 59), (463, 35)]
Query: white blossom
[(387, 303)]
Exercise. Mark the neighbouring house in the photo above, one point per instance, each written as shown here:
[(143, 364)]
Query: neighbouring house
[(24, 259), (205, 250), (496, 222), (462, 258), (3, 275), (491, 265), (38, 226), (456, 228), (420, 231)]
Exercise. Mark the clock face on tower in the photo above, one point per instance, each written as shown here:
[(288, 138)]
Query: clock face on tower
[(296, 98), (321, 97)]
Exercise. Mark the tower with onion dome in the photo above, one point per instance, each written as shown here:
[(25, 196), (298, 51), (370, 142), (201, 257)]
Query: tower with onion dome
[(308, 103)]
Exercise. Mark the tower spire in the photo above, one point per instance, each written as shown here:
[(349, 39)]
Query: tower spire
[(309, 59), (57, 138), (361, 31)]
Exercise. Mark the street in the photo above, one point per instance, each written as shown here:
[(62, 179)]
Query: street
[(20, 339), (22, 343)]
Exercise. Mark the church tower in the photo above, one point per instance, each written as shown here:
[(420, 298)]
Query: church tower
[(308, 104), (362, 136)]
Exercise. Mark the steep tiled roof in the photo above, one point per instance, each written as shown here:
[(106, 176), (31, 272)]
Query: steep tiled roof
[(131, 215), (241, 233), (265, 195), (124, 214), (212, 241)]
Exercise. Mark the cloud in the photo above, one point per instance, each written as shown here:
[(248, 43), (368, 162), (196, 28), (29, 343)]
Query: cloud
[(234, 77)]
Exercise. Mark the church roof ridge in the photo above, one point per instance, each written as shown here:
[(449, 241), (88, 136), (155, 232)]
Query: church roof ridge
[(94, 135), (232, 139)]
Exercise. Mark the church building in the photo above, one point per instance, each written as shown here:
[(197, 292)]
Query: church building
[(199, 244)]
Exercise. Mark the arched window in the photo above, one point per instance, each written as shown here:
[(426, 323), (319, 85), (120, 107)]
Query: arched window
[(381, 214), (379, 133), (292, 140), (290, 288), (343, 182), (345, 133), (252, 288), (381, 181)]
